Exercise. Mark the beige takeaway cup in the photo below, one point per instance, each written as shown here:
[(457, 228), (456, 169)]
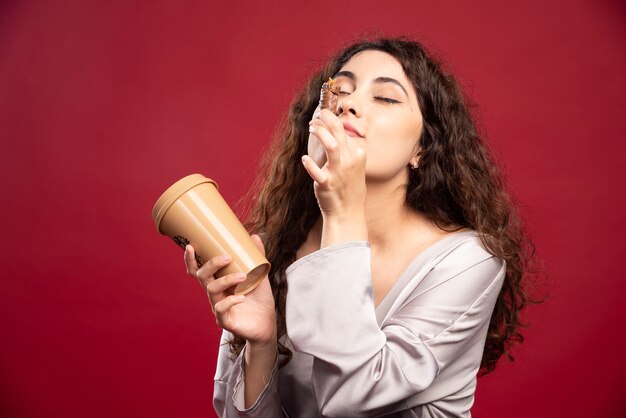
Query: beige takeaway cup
[(192, 211)]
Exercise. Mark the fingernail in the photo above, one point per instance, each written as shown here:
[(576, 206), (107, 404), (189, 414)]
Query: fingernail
[(225, 258)]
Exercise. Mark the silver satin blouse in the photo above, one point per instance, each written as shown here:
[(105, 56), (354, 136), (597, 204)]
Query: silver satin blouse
[(414, 355)]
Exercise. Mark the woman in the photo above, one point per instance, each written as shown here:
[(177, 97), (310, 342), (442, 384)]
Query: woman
[(390, 226)]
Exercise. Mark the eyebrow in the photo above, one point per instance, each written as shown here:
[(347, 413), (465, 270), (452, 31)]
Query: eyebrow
[(377, 80)]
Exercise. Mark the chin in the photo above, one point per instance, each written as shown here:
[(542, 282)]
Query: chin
[(382, 176)]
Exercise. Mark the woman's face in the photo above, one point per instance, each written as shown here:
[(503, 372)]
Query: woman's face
[(379, 102)]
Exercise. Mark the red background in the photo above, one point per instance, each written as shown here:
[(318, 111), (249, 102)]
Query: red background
[(104, 104)]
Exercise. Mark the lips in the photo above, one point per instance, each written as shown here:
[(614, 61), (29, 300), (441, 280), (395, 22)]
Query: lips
[(351, 130)]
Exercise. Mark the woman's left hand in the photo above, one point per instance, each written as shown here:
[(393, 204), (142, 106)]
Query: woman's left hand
[(251, 316)]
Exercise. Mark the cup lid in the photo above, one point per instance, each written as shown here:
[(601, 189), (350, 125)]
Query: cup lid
[(173, 192)]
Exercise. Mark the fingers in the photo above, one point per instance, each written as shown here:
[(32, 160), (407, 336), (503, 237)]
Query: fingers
[(340, 149), (205, 273), (222, 307), (216, 288), (258, 243), (209, 268), (190, 261), (333, 124), (345, 143), (316, 173)]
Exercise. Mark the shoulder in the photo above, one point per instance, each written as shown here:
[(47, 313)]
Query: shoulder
[(463, 247), (464, 255), (459, 256)]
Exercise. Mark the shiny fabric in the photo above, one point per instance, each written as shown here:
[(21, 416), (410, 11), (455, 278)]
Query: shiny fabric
[(414, 355)]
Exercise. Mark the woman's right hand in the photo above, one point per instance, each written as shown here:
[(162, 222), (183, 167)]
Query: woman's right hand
[(251, 316), (339, 184)]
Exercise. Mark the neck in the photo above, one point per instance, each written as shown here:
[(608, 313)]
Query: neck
[(387, 217), (386, 213)]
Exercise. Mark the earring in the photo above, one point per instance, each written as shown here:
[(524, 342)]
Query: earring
[(414, 165)]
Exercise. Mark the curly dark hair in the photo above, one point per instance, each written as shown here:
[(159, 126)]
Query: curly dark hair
[(457, 185)]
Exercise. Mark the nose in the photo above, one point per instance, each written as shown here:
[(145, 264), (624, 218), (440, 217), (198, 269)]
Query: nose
[(349, 104)]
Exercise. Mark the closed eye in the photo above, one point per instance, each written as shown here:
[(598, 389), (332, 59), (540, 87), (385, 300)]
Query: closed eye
[(387, 100), (344, 93)]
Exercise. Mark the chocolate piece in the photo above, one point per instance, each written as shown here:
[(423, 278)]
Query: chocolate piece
[(329, 96)]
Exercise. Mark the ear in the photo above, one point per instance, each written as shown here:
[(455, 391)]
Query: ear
[(415, 160)]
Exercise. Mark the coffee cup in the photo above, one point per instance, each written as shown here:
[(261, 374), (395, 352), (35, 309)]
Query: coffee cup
[(192, 211)]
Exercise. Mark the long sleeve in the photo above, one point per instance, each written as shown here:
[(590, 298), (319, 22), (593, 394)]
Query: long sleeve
[(228, 392), (363, 368)]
